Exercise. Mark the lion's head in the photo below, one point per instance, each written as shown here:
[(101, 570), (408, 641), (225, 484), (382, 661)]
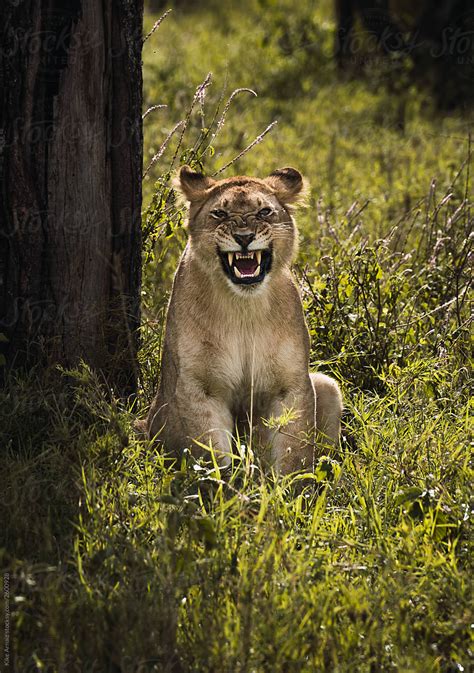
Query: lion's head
[(241, 228)]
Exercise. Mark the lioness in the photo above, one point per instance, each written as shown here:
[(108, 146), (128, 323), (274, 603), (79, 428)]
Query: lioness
[(236, 345)]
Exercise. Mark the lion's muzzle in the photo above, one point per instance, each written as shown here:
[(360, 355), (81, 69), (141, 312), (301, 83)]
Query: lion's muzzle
[(246, 268)]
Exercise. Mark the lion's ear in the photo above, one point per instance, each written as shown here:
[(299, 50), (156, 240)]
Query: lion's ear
[(193, 186), (288, 185)]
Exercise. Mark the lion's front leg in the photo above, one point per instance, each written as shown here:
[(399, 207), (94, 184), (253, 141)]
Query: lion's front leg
[(191, 418), (314, 426), (291, 445)]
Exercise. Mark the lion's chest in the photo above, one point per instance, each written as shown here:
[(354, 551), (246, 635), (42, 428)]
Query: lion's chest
[(247, 365)]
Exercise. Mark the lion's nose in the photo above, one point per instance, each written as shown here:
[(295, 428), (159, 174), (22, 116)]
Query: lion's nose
[(244, 239)]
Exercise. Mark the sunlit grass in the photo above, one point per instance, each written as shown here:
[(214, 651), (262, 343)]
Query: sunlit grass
[(120, 559)]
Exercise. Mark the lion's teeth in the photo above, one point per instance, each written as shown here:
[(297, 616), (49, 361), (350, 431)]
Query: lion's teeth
[(230, 257), (258, 254), (247, 275)]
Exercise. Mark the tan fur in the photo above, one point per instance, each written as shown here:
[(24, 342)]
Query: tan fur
[(225, 343)]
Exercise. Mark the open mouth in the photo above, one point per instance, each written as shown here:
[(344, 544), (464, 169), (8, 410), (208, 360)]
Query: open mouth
[(246, 268)]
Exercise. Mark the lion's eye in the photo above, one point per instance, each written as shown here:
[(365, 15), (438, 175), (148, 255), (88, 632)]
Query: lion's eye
[(265, 212), (219, 214)]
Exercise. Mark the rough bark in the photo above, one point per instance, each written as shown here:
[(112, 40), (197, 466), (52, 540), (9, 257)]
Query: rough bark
[(70, 168)]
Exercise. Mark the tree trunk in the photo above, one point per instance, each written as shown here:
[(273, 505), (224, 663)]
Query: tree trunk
[(70, 168)]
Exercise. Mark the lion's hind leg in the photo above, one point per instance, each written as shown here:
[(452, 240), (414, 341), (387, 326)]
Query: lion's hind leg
[(328, 408)]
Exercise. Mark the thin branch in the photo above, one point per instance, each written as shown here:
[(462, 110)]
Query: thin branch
[(221, 121), (153, 107), (200, 92), (428, 313), (156, 25), (257, 140), (163, 146)]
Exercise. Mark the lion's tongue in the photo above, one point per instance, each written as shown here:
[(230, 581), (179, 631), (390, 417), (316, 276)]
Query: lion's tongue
[(247, 266)]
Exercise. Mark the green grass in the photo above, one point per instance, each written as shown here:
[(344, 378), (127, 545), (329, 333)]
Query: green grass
[(118, 560)]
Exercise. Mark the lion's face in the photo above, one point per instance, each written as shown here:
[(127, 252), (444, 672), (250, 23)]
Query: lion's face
[(241, 229), (248, 230)]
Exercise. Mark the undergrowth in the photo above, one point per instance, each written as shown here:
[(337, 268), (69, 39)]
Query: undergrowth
[(118, 559)]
